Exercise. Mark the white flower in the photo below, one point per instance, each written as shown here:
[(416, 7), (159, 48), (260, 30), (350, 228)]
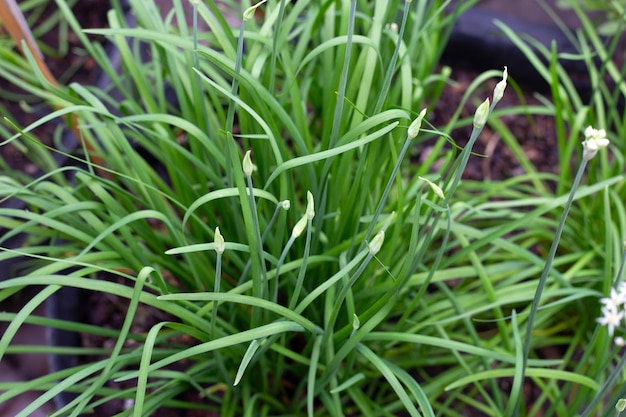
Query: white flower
[(595, 139), (611, 317), (616, 298), (619, 341), (622, 292)]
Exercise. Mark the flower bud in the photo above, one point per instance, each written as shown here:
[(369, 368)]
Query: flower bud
[(247, 165), (310, 207), (595, 139), (219, 241), (436, 189), (414, 128), (498, 92), (377, 242), (299, 227), (356, 323), (285, 204), (249, 12), (480, 117)]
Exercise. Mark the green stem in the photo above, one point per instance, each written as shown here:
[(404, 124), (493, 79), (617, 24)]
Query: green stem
[(544, 276)]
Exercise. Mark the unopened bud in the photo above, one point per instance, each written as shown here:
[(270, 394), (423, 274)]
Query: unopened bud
[(285, 204), (248, 167), (480, 117), (498, 92), (299, 227), (219, 241), (249, 12), (377, 242), (310, 207), (356, 323), (436, 189), (414, 128)]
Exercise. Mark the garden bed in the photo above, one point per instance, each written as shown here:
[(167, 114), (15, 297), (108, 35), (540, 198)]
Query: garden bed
[(536, 137)]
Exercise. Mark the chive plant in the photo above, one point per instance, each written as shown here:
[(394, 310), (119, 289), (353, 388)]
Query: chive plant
[(384, 287)]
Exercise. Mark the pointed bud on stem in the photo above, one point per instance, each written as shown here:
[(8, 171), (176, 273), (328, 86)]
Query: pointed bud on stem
[(377, 242), (299, 227), (436, 189), (248, 167), (498, 92), (249, 12), (415, 127), (219, 241), (310, 207), (480, 117)]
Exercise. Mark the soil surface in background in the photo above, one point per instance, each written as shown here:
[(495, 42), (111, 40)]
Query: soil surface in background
[(536, 137)]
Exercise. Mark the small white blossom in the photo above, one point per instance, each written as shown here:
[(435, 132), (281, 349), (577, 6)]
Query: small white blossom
[(611, 317), (619, 341), (595, 139), (285, 204), (616, 298)]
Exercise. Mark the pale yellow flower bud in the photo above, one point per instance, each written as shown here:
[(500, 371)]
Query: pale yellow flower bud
[(248, 167), (436, 189), (285, 204), (356, 323), (480, 117), (299, 227), (310, 207), (415, 127), (377, 242), (249, 12), (498, 92), (219, 241)]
